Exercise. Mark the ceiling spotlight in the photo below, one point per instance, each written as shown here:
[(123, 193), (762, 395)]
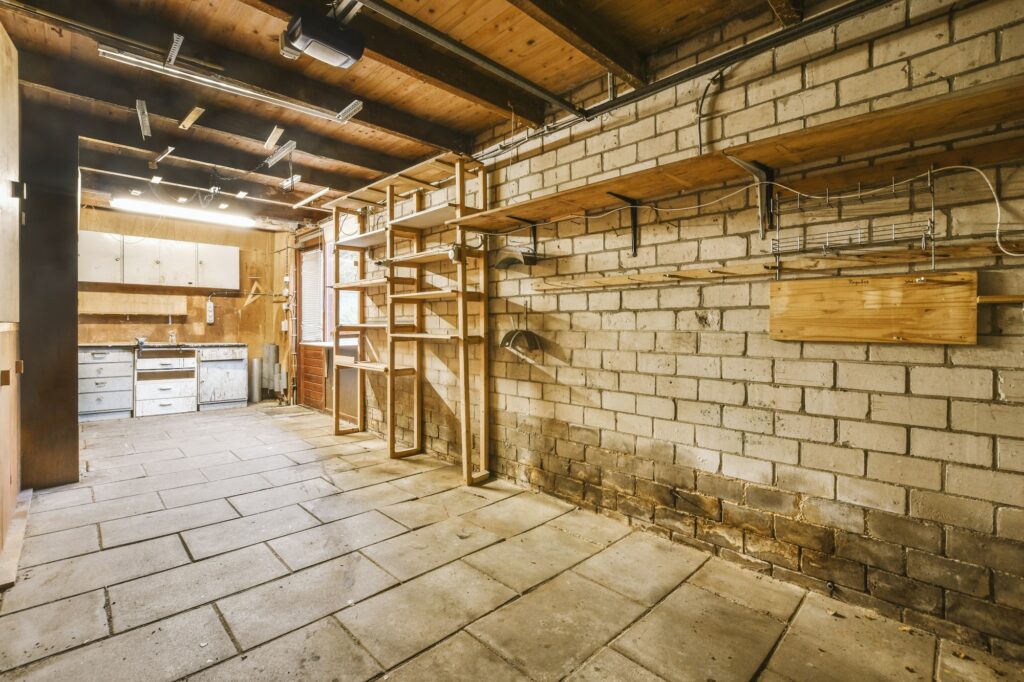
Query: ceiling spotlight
[(135, 192), (242, 194), (156, 179), (172, 53), (222, 205), (323, 40), (191, 118), (274, 136), (288, 184), (163, 155), (312, 197), (143, 112), (182, 200), (281, 152)]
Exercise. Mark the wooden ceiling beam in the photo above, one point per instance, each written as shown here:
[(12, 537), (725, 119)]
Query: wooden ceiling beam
[(93, 17), (789, 12), (125, 133), (81, 80), (576, 26), (412, 55)]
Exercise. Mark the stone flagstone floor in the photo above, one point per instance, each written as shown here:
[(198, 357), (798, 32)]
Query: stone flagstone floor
[(254, 545)]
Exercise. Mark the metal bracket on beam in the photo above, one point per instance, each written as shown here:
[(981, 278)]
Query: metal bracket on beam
[(763, 175), (533, 230), (19, 190), (634, 221)]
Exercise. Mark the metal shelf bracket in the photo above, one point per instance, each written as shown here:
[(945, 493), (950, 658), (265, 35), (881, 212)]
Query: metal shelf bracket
[(634, 222), (763, 175)]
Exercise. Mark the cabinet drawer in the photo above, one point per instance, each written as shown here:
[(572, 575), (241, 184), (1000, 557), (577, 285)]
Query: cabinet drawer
[(166, 363), (93, 355), (105, 402), (104, 385), (223, 353), (111, 369), (171, 388), (148, 408)]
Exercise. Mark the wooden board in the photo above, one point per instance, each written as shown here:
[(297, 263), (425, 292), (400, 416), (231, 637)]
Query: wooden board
[(10, 428), (116, 303), (928, 308)]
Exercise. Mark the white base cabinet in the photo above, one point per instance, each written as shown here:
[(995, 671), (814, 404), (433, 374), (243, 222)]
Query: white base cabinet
[(223, 377)]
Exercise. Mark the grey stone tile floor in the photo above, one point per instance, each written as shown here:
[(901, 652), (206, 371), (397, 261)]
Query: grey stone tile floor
[(253, 544)]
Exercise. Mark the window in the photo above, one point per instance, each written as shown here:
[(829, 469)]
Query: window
[(311, 308)]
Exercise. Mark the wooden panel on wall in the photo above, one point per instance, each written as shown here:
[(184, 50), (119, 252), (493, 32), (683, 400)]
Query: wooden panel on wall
[(312, 376), (120, 303), (10, 207), (928, 308)]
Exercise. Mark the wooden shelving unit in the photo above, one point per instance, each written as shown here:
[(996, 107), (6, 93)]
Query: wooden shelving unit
[(407, 332)]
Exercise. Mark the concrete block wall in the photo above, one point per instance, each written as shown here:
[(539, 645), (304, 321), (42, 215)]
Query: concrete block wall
[(888, 476)]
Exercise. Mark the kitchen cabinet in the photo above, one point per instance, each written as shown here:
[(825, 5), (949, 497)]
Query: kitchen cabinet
[(100, 257), (141, 260), (218, 266), (223, 377), (177, 263)]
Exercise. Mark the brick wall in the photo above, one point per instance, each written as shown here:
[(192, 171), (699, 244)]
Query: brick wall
[(891, 476)]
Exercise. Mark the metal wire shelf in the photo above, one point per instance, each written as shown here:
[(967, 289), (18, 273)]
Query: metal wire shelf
[(877, 235)]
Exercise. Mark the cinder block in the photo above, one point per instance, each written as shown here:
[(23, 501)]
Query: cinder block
[(952, 510), (865, 493)]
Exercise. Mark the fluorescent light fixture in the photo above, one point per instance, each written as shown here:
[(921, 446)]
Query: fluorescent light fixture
[(242, 194), (163, 155), (288, 184), (312, 197), (156, 179), (135, 192), (143, 112), (274, 136), (191, 118), (182, 200), (279, 153), (171, 211), (222, 205), (172, 53), (351, 110), (217, 82)]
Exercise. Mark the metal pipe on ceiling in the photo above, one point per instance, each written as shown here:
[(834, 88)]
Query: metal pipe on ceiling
[(413, 24)]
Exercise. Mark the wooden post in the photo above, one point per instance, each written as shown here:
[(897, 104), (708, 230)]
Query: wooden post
[(485, 347), (361, 338), (389, 375), (463, 322), (336, 337), (418, 362)]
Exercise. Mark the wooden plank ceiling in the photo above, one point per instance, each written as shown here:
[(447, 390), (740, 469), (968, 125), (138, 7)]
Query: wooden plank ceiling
[(418, 99)]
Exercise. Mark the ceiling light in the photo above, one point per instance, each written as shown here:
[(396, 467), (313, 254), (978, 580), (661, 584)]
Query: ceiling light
[(135, 192), (143, 112), (172, 53), (182, 200), (222, 205), (312, 197), (242, 194), (191, 118), (156, 179), (289, 183), (163, 155), (351, 110), (172, 211), (281, 152), (274, 136), (217, 82), (323, 40)]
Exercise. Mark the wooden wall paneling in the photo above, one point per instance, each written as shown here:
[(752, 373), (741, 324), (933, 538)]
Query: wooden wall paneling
[(922, 307), (10, 429)]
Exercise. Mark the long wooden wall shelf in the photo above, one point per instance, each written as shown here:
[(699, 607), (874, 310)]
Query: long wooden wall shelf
[(116, 303), (434, 173), (970, 109)]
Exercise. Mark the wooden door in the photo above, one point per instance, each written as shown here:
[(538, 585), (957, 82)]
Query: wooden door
[(10, 210), (309, 294)]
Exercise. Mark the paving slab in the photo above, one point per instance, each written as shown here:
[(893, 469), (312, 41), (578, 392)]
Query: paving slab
[(320, 651), (267, 449), (204, 492), (458, 659), (402, 622), (552, 630), (643, 567), (829, 640), (532, 557), (249, 466), (354, 502), (201, 446), (60, 579), (960, 663), (95, 512), (164, 522), (331, 540), (41, 549), (248, 530), (696, 635), (91, 478), (380, 473), (59, 500), (161, 652), (608, 665), (753, 590), (454, 502), (188, 463), (431, 482), (29, 635), (419, 551), (148, 484), (272, 609), (128, 460), (152, 597), (304, 472), (591, 527), (517, 514), (281, 496), (315, 454)]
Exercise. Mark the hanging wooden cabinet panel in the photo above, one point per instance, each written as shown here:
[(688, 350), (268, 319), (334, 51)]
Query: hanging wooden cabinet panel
[(926, 308)]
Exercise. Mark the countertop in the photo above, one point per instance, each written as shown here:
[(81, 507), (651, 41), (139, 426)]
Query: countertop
[(158, 344)]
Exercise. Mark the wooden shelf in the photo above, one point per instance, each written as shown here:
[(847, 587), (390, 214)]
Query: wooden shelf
[(355, 328), (435, 216), (373, 367), (435, 256), (433, 337), (434, 173), (365, 240), (435, 295), (968, 109), (372, 282)]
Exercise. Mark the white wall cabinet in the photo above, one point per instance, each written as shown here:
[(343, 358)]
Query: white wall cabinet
[(100, 257), (218, 266), (117, 259)]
